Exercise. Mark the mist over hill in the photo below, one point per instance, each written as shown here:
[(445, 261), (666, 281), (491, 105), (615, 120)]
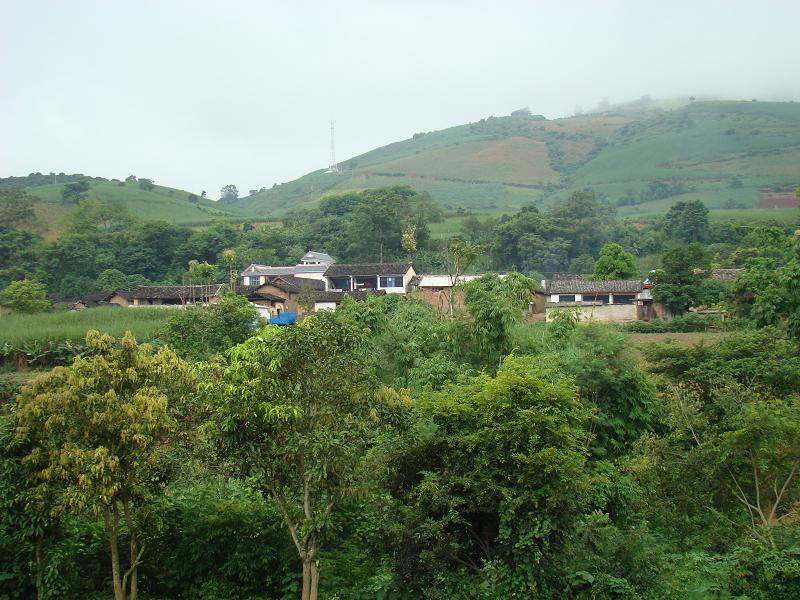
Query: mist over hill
[(642, 156)]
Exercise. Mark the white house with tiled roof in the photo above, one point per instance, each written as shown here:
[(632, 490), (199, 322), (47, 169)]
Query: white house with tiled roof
[(611, 301), (312, 266)]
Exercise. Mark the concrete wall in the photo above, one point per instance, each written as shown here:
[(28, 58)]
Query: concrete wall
[(605, 313)]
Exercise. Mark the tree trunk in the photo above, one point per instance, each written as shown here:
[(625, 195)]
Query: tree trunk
[(306, 593), (134, 568), (112, 526), (39, 566), (314, 581), (131, 575)]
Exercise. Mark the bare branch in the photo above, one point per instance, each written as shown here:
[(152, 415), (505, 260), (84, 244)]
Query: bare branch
[(287, 519)]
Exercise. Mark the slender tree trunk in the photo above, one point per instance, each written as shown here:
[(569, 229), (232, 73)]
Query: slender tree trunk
[(306, 593), (314, 581), (112, 526), (39, 566), (131, 575)]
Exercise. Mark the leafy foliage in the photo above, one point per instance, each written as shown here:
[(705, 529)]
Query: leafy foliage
[(487, 482), (615, 263), (96, 431), (197, 333), (26, 296)]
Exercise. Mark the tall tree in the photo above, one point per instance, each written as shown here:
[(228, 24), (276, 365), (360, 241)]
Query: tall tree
[(289, 421), (75, 192), (687, 221), (228, 194), (678, 283), (97, 429), (615, 263), (488, 481)]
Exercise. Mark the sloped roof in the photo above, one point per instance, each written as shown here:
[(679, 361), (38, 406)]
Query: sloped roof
[(294, 284), (268, 270), (585, 286), (183, 292), (337, 297), (368, 269), (320, 256)]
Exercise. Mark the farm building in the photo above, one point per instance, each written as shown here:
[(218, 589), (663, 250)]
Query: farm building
[(393, 278), (613, 301)]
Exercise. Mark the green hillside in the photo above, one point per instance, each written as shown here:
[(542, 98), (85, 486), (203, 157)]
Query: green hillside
[(159, 203), (731, 155)]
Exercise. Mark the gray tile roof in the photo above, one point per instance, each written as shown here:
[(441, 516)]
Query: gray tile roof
[(320, 256), (268, 270), (293, 284), (184, 292), (585, 286), (368, 269)]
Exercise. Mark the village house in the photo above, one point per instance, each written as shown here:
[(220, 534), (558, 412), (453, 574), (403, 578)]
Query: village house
[(181, 295), (611, 301), (393, 278), (312, 266), (285, 294)]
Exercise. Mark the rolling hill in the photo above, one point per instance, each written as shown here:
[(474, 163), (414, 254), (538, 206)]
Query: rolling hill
[(160, 203), (735, 156)]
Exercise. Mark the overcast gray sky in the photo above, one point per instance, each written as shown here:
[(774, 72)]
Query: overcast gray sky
[(199, 94)]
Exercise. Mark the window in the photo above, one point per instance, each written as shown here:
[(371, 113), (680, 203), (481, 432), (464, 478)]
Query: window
[(340, 283), (255, 280), (596, 298), (392, 282), (566, 298), (624, 298)]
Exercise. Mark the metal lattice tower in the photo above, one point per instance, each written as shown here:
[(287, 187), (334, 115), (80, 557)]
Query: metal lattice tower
[(334, 167)]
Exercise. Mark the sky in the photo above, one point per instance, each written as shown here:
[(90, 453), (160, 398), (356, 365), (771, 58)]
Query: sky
[(201, 94)]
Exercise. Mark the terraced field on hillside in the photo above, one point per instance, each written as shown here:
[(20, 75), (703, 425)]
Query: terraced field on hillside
[(728, 154), (160, 203)]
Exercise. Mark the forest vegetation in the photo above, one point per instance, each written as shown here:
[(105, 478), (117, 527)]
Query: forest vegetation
[(386, 450)]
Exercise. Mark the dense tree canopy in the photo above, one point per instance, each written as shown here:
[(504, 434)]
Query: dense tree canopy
[(397, 449), (615, 263)]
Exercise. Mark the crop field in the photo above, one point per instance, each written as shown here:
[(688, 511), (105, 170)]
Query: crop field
[(144, 323), (158, 204), (512, 160), (724, 153), (450, 226)]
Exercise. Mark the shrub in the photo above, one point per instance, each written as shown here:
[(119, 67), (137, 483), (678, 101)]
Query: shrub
[(688, 323)]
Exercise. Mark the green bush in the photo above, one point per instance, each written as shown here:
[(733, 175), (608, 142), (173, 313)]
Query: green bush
[(685, 324)]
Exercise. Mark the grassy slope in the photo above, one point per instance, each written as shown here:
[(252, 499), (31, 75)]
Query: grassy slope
[(483, 166), (480, 166), (161, 203)]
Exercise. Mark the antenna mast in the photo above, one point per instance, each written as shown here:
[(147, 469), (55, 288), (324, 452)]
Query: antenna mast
[(334, 167)]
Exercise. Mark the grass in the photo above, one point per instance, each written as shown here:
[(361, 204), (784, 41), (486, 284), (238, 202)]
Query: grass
[(451, 226), (516, 160), (704, 144), (144, 323), (159, 204)]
